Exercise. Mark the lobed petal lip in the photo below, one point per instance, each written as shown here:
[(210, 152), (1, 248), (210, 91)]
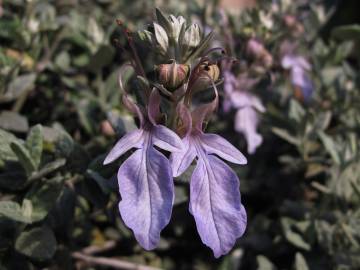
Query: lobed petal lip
[(215, 144), (147, 192), (166, 139), (133, 139), (215, 203)]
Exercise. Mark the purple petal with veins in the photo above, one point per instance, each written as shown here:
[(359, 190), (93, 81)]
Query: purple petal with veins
[(215, 200), (133, 139), (215, 204), (166, 139), (215, 144), (147, 193), (180, 161), (145, 178)]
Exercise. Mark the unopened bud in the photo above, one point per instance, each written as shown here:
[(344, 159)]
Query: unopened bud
[(172, 75), (204, 76)]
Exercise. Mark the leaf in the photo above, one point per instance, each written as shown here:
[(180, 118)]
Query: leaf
[(19, 86), (292, 236), (264, 263), (347, 32), (296, 111), (322, 121), (48, 168), (162, 20), (300, 262), (38, 243), (330, 146), (43, 197), (34, 143), (58, 140), (13, 211), (282, 133), (24, 157), (6, 153), (232, 261), (13, 121)]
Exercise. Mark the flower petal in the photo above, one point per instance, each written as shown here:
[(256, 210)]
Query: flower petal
[(180, 161), (203, 112), (154, 106), (215, 204), (133, 108), (128, 141), (215, 144), (246, 121), (185, 117), (147, 195), (166, 139)]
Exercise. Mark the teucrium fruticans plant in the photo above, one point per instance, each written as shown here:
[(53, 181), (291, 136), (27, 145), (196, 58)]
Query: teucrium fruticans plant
[(146, 177)]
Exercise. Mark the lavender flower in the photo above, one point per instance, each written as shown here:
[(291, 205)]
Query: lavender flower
[(145, 178), (299, 76), (247, 106), (214, 187), (246, 118)]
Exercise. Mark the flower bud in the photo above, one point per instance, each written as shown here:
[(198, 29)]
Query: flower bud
[(203, 76), (190, 39), (176, 24), (161, 37), (192, 36), (172, 75)]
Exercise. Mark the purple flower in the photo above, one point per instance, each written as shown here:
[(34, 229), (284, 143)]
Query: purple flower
[(145, 178), (214, 187), (246, 118), (247, 106), (299, 76)]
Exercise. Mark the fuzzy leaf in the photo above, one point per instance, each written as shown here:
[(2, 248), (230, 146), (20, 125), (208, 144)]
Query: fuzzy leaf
[(43, 197), (34, 143), (24, 157), (14, 211), (38, 243), (300, 262)]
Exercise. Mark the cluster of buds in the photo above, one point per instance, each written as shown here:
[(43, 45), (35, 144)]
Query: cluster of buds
[(172, 38), (145, 179)]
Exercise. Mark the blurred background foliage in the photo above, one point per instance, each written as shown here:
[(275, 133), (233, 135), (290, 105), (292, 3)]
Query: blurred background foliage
[(61, 113)]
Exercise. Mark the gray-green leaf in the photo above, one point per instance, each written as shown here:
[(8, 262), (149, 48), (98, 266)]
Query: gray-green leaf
[(34, 143), (38, 243), (23, 156)]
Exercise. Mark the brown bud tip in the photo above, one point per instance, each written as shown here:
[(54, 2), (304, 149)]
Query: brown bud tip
[(203, 76)]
